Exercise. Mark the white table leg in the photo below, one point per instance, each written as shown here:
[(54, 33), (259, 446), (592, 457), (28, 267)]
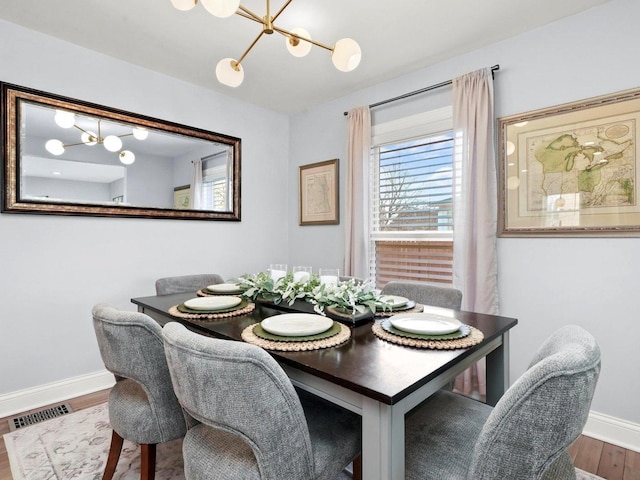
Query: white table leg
[(382, 441)]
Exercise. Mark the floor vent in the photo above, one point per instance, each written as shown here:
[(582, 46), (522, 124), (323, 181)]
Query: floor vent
[(38, 416)]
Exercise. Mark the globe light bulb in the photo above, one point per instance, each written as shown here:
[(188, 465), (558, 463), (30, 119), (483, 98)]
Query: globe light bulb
[(184, 5), (140, 133), (89, 138), (64, 119), (127, 157), (221, 8), (54, 147), (229, 72), (346, 55), (112, 143), (296, 46)]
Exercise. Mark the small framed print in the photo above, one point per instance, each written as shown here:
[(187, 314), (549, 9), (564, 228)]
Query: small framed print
[(318, 195), (182, 197)]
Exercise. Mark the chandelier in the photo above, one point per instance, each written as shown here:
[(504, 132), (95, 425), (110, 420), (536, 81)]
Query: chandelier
[(345, 54), (112, 143)]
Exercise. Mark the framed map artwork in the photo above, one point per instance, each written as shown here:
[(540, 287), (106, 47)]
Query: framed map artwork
[(318, 196), (572, 170)]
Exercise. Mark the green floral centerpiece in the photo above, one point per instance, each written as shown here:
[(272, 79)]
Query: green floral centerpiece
[(350, 297)]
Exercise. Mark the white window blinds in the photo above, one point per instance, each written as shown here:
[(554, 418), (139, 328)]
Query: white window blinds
[(412, 212)]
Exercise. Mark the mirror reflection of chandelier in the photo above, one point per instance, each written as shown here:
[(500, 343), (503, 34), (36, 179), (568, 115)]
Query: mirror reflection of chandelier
[(112, 143), (345, 54)]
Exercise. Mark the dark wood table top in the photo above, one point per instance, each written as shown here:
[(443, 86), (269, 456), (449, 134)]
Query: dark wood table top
[(366, 364)]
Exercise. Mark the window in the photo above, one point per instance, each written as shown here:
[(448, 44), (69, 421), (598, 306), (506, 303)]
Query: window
[(215, 181), (411, 203)]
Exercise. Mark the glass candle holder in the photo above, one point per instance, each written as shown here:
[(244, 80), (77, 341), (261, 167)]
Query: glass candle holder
[(301, 273), (329, 276), (277, 271)]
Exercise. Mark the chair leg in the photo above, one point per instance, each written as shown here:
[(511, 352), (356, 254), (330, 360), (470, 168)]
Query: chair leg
[(357, 468), (147, 461), (114, 455)]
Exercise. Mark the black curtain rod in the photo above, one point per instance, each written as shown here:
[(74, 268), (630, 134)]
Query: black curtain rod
[(422, 90)]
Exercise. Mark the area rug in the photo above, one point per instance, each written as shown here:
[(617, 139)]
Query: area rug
[(75, 446)]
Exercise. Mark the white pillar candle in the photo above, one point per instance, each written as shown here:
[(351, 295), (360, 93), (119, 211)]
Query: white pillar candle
[(277, 271), (329, 280), (301, 277), (329, 276), (277, 274)]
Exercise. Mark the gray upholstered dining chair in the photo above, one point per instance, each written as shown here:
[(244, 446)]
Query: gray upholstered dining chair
[(186, 283), (526, 435), (254, 424), (425, 293), (142, 405)]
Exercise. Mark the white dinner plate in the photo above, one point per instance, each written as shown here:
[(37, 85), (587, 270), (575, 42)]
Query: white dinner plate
[(393, 300), (212, 303), (296, 324), (425, 323), (224, 287)]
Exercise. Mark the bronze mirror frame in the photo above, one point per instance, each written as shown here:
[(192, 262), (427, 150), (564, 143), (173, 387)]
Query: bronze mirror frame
[(12, 97)]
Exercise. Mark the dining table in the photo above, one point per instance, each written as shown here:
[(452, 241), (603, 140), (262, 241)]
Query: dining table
[(379, 380)]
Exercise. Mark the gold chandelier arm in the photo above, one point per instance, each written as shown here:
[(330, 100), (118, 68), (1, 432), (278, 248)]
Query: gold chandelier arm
[(249, 49), (289, 34), (249, 14), (281, 9), (82, 130), (73, 144), (257, 20)]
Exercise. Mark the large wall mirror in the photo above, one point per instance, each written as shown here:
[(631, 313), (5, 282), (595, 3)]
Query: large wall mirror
[(64, 156)]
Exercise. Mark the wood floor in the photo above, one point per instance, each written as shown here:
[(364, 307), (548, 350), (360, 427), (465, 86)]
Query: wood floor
[(603, 459)]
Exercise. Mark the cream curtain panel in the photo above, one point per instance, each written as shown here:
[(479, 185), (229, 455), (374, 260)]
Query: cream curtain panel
[(475, 205), (196, 186), (356, 247)]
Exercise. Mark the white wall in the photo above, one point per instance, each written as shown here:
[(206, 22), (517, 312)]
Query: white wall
[(53, 269), (74, 190), (545, 283)]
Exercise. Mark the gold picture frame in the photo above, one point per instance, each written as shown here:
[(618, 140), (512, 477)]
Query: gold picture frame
[(571, 170), (319, 193)]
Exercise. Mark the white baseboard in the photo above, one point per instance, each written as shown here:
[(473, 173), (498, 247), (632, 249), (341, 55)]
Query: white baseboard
[(613, 430), (37, 397)]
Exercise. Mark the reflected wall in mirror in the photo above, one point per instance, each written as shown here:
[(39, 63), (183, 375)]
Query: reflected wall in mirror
[(64, 156)]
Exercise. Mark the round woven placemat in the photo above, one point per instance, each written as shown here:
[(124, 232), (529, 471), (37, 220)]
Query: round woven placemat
[(474, 338), (202, 293), (341, 337), (417, 309), (173, 311)]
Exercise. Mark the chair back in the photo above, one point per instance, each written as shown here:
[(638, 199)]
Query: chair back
[(186, 283), (542, 413), (132, 348), (425, 293), (240, 388)]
